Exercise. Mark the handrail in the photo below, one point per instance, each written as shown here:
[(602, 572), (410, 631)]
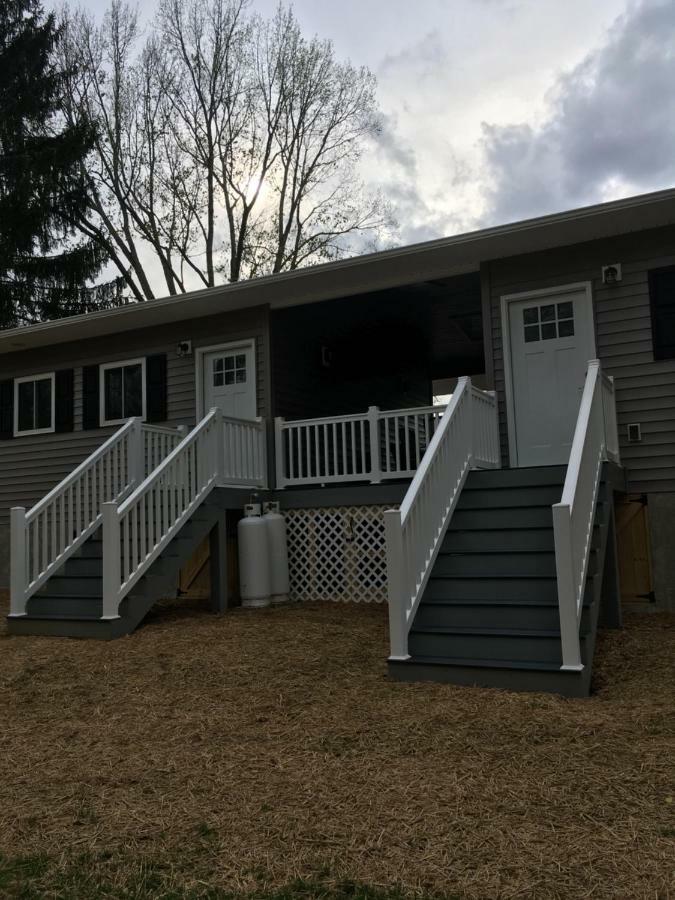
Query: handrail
[(574, 516), (370, 446), (219, 450), (467, 436), (43, 538), (136, 531)]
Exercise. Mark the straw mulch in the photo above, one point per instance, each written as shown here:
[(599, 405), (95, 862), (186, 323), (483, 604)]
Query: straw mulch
[(247, 750)]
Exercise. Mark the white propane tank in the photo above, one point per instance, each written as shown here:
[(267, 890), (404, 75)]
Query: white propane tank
[(254, 558), (276, 535)]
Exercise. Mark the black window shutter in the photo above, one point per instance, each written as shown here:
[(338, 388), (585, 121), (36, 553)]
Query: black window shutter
[(6, 409), (155, 374), (662, 299), (64, 384), (90, 397)]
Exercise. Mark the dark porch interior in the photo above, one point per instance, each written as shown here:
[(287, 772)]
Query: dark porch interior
[(383, 349)]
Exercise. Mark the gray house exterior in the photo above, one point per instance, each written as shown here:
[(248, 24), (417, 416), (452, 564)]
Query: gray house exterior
[(440, 307)]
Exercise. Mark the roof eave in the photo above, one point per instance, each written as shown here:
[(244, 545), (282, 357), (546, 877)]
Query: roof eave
[(377, 271)]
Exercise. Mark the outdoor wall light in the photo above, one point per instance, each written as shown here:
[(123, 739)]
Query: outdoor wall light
[(611, 274)]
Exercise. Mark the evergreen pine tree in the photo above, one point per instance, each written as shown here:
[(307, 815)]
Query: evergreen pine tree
[(44, 269)]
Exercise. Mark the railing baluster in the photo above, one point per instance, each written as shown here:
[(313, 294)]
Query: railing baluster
[(396, 423), (345, 470), (406, 437)]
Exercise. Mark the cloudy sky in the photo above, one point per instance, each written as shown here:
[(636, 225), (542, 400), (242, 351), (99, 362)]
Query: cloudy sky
[(496, 110)]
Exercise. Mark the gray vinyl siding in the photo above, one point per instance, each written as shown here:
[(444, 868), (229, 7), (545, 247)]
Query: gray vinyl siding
[(623, 332), (30, 466)]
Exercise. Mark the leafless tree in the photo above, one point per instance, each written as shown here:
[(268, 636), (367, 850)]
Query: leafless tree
[(228, 145)]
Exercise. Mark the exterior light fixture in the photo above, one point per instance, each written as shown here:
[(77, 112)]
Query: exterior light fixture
[(611, 274)]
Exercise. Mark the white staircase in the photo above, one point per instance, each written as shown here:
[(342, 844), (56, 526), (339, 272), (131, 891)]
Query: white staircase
[(110, 539)]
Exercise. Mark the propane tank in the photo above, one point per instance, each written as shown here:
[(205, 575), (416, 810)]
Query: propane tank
[(254, 558), (276, 536)]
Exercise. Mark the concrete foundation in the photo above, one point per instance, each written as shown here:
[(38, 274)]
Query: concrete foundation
[(661, 509)]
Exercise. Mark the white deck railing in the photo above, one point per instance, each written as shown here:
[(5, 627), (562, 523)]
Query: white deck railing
[(369, 446), (595, 440), (43, 538), (218, 451), (468, 436), (158, 442), (244, 459)]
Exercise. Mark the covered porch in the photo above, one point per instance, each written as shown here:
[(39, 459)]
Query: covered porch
[(359, 384)]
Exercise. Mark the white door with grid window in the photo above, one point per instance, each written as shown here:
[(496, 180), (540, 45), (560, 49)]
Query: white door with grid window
[(551, 341), (228, 377)]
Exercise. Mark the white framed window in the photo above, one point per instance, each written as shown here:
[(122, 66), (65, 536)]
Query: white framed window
[(34, 404), (122, 391)]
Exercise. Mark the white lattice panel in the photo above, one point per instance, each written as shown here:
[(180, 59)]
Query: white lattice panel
[(337, 553)]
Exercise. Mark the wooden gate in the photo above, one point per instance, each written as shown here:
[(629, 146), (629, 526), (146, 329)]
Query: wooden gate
[(632, 537)]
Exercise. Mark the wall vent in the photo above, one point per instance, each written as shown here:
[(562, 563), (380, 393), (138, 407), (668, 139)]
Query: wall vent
[(634, 433)]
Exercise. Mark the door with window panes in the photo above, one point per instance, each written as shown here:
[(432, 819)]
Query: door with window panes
[(229, 381), (552, 341)]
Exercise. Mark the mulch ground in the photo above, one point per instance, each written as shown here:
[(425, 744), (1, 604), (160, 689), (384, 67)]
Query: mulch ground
[(241, 752)]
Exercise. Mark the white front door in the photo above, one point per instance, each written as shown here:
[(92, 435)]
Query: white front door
[(551, 341), (228, 379)]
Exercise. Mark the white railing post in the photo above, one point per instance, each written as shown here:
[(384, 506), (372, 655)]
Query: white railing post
[(610, 420), (396, 582), (261, 437), (219, 444), (374, 429), (567, 595), (495, 448), (279, 460), (112, 568), (470, 416), (18, 562), (136, 461)]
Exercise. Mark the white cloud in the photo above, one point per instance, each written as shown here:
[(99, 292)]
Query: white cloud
[(610, 130)]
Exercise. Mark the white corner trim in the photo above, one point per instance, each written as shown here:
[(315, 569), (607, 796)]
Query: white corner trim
[(120, 364), (42, 376), (540, 293), (200, 353)]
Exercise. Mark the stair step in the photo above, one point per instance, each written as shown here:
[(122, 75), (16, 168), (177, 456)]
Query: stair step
[(67, 626), (479, 587), (530, 665), (509, 563), (498, 540), (72, 586), (71, 606), (503, 498), (536, 476), (486, 643), (502, 518), (499, 614), (90, 550), (512, 675), (77, 566)]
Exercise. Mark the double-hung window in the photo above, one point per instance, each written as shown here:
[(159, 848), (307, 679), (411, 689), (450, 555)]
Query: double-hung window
[(34, 404), (122, 391)]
